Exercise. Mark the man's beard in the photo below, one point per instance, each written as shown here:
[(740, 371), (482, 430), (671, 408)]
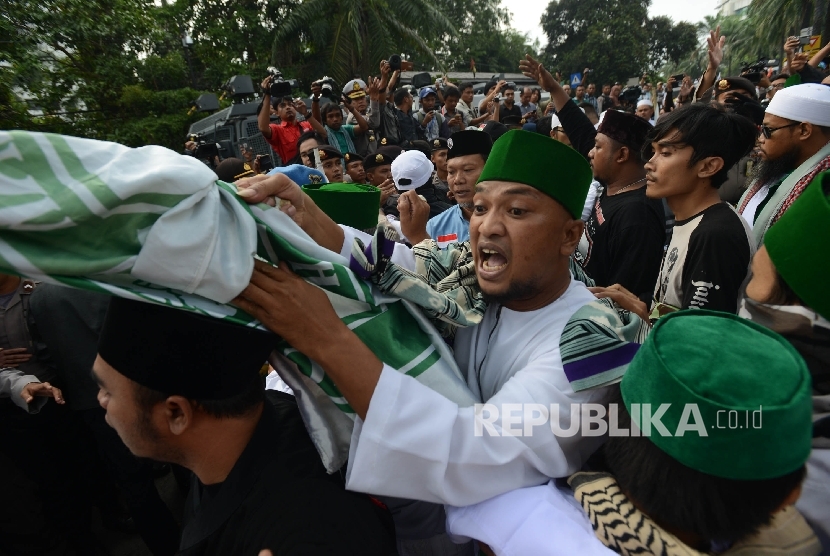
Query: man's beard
[(765, 170), (466, 206), (516, 291)]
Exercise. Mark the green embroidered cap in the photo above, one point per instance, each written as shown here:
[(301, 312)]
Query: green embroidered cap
[(352, 204), (739, 395), (799, 245), (535, 160)]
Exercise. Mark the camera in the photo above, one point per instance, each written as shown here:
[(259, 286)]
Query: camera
[(756, 70), (678, 79), (265, 163), (395, 62), (206, 152), (398, 64), (277, 86), (631, 94), (328, 88)]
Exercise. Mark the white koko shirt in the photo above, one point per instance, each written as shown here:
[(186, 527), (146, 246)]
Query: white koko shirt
[(416, 444)]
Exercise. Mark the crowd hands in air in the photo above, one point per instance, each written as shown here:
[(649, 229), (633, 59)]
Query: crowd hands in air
[(620, 247)]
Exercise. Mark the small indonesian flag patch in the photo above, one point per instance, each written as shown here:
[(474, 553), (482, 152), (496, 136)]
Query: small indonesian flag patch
[(445, 240)]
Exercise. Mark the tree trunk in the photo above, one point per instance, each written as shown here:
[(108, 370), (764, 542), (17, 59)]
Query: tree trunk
[(806, 13), (820, 19)]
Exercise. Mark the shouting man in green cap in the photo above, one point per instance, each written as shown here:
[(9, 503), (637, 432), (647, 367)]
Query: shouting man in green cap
[(524, 227), (706, 456)]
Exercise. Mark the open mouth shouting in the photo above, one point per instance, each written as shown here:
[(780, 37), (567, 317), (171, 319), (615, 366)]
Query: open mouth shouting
[(492, 261)]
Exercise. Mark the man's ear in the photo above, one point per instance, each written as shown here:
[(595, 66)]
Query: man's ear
[(572, 233), (179, 413), (623, 154), (805, 131), (709, 166)]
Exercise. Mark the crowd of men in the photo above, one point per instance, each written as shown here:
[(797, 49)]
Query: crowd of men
[(658, 259)]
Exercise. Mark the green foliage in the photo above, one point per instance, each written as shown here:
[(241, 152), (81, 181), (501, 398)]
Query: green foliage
[(350, 37), (759, 33), (483, 34), (669, 42), (615, 38), (118, 69)]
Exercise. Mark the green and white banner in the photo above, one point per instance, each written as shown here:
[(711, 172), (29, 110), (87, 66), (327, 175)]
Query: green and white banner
[(155, 225)]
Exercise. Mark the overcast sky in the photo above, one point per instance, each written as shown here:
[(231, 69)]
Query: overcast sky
[(526, 13)]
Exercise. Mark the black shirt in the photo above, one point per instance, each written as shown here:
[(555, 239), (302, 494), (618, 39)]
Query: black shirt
[(706, 262), (279, 496), (625, 234), (623, 241), (504, 112)]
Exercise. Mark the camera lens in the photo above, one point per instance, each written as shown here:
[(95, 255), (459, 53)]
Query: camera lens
[(394, 62)]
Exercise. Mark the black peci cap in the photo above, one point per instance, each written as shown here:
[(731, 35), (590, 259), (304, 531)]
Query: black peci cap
[(177, 352)]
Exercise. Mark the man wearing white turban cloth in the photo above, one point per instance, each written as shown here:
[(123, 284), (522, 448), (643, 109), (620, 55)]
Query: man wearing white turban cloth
[(795, 147)]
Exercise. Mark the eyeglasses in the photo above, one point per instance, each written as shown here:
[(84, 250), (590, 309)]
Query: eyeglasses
[(766, 131)]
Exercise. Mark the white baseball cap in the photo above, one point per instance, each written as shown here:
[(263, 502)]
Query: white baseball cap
[(411, 170)]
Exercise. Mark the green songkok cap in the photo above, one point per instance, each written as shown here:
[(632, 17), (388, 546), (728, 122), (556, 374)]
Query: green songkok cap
[(538, 161), (799, 245), (352, 204), (742, 385)]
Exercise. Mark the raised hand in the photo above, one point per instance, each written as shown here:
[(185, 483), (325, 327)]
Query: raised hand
[(414, 214), (374, 88), (798, 63), (715, 43), (300, 107), (535, 70)]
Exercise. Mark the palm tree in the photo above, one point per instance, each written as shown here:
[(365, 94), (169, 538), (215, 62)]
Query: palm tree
[(353, 35), (775, 20)]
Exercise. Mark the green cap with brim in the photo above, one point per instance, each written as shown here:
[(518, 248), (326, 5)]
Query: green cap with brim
[(549, 166), (351, 204), (799, 245), (742, 392)]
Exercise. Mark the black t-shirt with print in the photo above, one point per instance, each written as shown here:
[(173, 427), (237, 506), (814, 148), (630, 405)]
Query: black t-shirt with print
[(623, 241), (707, 261)]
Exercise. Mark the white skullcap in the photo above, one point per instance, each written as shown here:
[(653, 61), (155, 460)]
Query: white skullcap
[(808, 102), (644, 102), (554, 121)]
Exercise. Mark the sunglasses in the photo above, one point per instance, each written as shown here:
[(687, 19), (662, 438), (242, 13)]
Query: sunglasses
[(766, 131)]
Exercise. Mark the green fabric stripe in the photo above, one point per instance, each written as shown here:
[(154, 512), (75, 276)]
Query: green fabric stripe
[(425, 365), (22, 199)]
